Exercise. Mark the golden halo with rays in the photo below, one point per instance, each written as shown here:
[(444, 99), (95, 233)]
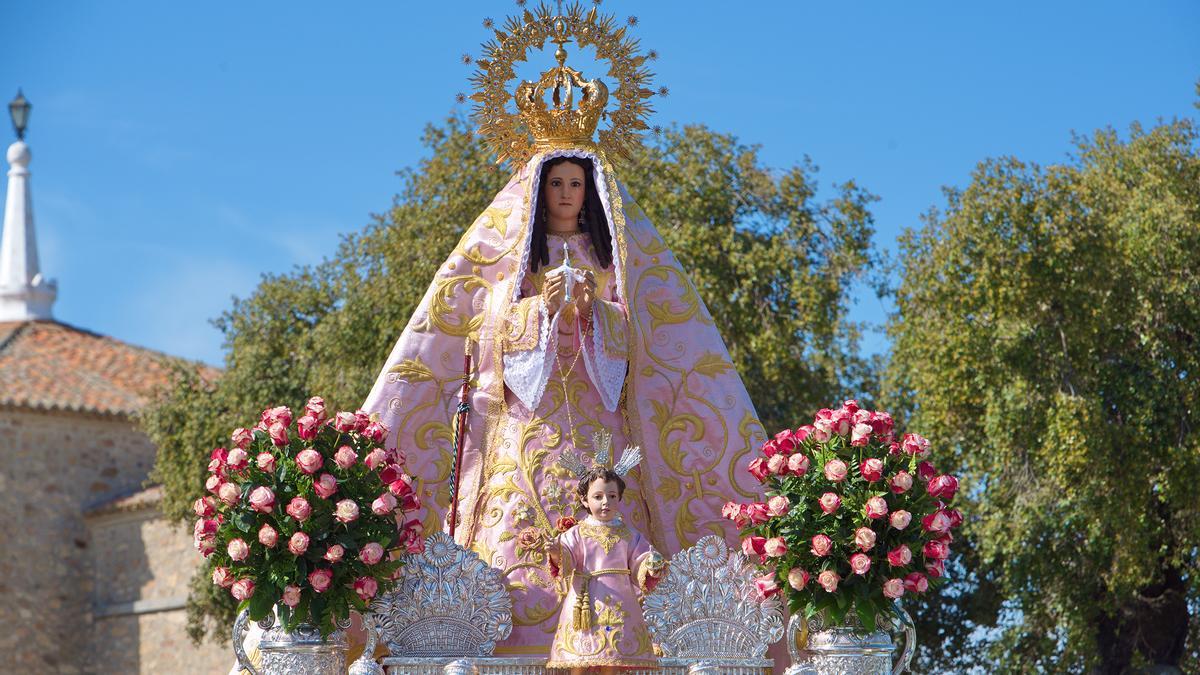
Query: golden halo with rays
[(505, 131)]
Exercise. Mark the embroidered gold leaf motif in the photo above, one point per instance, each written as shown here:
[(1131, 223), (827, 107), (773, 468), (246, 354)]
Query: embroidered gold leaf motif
[(605, 535), (712, 364), (412, 370)]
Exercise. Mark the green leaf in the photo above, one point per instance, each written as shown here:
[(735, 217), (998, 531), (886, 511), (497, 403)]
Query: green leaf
[(866, 614), (244, 521)]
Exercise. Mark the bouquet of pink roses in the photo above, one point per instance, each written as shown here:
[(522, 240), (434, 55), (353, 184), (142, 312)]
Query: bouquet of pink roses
[(307, 516), (853, 517)]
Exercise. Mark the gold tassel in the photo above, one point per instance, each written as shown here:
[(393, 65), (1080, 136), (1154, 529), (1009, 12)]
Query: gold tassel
[(582, 614)]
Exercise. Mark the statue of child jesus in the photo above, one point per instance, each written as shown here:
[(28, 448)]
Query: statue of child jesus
[(607, 563)]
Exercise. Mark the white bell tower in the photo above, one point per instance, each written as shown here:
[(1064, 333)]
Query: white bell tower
[(24, 293)]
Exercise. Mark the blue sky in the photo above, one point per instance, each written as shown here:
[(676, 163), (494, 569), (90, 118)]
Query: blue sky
[(182, 150)]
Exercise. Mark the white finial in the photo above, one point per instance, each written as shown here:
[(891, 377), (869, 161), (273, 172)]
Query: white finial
[(24, 293)]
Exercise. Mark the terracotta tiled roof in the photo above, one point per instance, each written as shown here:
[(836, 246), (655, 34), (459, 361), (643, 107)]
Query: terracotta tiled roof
[(47, 365)]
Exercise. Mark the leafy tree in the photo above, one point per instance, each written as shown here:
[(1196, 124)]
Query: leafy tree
[(774, 265), (1047, 333)]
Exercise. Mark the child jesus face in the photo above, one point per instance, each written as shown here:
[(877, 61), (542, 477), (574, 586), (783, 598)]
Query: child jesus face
[(601, 499)]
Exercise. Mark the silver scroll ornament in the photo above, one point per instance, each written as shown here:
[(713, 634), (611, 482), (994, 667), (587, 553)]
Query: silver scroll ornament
[(446, 603), (707, 611)]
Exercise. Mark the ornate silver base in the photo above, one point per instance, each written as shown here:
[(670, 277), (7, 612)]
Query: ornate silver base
[(848, 649), (528, 665), (299, 652)]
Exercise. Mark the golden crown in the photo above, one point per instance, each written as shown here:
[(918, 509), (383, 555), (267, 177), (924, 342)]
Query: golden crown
[(536, 126)]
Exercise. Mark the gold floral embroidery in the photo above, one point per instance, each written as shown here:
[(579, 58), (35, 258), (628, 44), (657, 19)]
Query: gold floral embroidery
[(605, 535), (521, 330)]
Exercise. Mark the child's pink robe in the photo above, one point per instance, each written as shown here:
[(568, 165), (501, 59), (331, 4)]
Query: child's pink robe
[(609, 558)]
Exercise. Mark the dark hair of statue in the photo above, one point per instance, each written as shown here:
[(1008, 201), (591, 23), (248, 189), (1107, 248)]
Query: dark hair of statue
[(595, 223), (598, 472)]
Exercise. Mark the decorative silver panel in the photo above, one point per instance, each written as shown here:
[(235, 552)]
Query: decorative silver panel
[(299, 652), (448, 603), (848, 648), (707, 609)]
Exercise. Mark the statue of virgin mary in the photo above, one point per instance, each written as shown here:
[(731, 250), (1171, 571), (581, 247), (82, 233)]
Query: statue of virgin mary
[(579, 322)]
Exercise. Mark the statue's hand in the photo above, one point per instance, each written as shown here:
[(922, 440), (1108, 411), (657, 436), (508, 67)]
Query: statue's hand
[(554, 291), (585, 293)]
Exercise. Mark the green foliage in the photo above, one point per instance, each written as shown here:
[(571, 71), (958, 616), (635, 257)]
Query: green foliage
[(1047, 334), (773, 265)]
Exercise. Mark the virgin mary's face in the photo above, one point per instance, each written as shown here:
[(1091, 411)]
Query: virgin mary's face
[(563, 192)]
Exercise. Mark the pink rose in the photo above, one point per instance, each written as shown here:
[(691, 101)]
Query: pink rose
[(374, 458), (775, 547), (206, 547), (213, 483), (899, 556), (900, 519), (345, 457), (238, 459), (402, 486), (860, 563), (798, 464), (883, 425), (956, 518), (325, 486), (346, 511), (938, 522), (291, 596), (850, 405), (902, 482), (217, 458), (769, 449), (754, 546), (821, 545), (876, 507), (315, 407), (803, 432), (830, 502), (204, 507), (242, 589), (229, 493), (238, 550), (266, 462), (925, 471), (798, 578), (860, 435), (871, 469), (777, 465), (371, 553), (758, 469), (411, 540), (835, 470), (828, 580), (864, 538), (777, 506), (766, 586), (935, 568), (267, 536), (281, 414), (936, 550), (916, 445), (366, 587), (841, 421), (893, 588), (307, 427), (222, 577), (384, 504), (410, 502), (916, 583), (757, 512), (242, 437), (334, 553), (735, 512), (390, 473), (309, 461), (785, 441), (943, 487), (279, 434), (320, 579), (262, 499), (376, 432), (298, 543), (299, 509), (345, 422)]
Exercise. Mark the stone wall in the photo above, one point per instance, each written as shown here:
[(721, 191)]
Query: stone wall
[(55, 466), (141, 570)]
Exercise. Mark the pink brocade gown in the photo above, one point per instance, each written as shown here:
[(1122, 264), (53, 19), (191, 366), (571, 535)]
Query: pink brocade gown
[(603, 559), (526, 495)]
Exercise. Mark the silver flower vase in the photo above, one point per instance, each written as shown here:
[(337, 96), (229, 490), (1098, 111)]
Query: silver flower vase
[(818, 648), (301, 651)]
